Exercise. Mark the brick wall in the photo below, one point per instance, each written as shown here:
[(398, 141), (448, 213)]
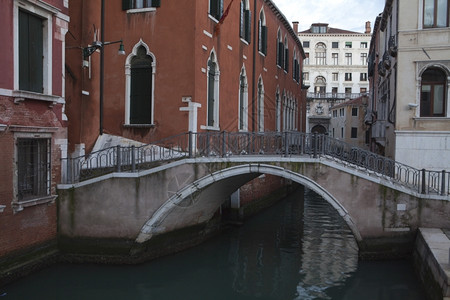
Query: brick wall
[(260, 187)]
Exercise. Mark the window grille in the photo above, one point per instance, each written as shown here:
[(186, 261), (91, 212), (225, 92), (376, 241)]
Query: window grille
[(33, 166)]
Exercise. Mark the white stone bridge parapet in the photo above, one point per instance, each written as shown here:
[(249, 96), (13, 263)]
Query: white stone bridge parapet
[(382, 202)]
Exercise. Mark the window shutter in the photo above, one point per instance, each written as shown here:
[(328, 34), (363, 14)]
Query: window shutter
[(127, 4), (242, 22), (264, 39), (156, 3), (281, 54), (286, 60), (248, 21), (220, 11)]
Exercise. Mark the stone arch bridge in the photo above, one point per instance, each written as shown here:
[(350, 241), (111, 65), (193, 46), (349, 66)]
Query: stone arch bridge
[(140, 201)]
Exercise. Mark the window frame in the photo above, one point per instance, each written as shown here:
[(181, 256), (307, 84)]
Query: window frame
[(348, 76), (128, 79), (147, 5), (243, 100), (262, 33), (46, 13), (245, 21), (348, 59), (31, 133), (321, 55), (432, 84), (354, 133), (214, 108), (435, 16)]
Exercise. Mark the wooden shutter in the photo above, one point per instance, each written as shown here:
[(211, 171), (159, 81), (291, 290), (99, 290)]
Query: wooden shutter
[(264, 39), (31, 53), (247, 21), (140, 96), (280, 54), (286, 60)]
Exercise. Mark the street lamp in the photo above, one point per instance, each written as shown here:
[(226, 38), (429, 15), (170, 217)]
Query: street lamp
[(99, 45)]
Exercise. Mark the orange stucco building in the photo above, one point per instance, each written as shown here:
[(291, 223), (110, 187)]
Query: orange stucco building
[(216, 65)]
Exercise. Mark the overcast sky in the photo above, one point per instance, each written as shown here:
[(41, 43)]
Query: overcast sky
[(343, 14)]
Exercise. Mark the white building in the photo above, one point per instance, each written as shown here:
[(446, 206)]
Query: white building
[(410, 80), (335, 68)]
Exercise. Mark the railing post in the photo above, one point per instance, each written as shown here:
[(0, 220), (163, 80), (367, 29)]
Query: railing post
[(248, 143), (423, 182), (443, 183), (190, 145), (133, 159), (223, 144), (207, 144), (286, 145), (314, 144), (118, 169)]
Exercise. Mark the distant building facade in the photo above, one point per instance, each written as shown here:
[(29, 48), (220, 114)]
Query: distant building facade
[(335, 69), (33, 128), (347, 122), (409, 73)]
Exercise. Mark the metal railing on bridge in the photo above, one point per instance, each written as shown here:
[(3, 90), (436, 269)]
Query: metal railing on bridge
[(226, 144)]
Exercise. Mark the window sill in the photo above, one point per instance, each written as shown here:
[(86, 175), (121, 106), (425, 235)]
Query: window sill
[(245, 41), (431, 119), (212, 128), (20, 96), (261, 53), (141, 10), (20, 205), (213, 18), (139, 125)]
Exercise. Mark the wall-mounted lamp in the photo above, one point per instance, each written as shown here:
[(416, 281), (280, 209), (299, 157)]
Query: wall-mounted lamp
[(99, 45)]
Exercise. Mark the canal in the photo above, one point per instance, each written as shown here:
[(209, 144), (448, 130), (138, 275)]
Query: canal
[(298, 249)]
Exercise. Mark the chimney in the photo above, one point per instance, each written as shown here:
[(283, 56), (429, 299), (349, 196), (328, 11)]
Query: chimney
[(368, 28), (295, 26)]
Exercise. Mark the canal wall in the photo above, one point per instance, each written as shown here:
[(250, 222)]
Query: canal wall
[(432, 261)]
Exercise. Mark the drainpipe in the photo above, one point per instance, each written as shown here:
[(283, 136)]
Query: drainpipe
[(102, 62), (254, 67)]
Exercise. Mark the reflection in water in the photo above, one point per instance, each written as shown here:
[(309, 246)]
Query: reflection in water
[(294, 250)]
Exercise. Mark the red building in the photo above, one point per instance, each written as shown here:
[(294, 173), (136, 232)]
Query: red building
[(189, 66), (33, 133)]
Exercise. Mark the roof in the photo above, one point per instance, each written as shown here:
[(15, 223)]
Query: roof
[(355, 102), (330, 30)]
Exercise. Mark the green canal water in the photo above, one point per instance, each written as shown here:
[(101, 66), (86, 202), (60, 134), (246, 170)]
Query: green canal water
[(298, 249)]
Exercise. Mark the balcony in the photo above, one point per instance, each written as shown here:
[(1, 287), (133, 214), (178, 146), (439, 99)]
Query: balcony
[(334, 96)]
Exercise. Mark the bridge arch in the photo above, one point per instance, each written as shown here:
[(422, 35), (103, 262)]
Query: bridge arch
[(156, 224)]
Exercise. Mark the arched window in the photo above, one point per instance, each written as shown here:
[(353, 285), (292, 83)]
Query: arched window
[(320, 85), (262, 33), (213, 92), (139, 73), (280, 49), (243, 101), (286, 55), (295, 67), (260, 105), (321, 54), (246, 20), (433, 93)]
